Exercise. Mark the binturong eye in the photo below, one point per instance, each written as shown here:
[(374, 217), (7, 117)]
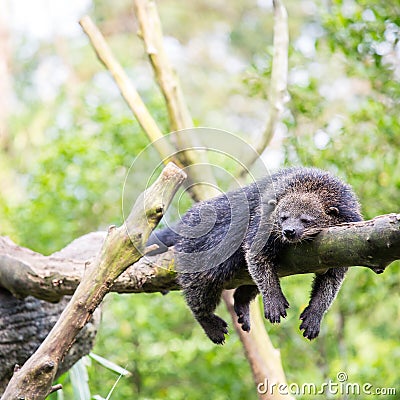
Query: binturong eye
[(284, 217), (305, 219)]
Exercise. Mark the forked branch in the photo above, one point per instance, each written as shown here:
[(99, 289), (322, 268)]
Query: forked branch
[(121, 247)]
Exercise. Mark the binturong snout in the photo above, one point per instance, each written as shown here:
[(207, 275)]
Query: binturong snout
[(289, 233), (292, 230)]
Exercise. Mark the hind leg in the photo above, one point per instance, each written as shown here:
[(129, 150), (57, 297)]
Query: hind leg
[(243, 296), (203, 295), (324, 290)]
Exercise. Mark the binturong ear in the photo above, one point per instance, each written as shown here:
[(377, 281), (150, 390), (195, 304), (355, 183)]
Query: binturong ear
[(333, 211)]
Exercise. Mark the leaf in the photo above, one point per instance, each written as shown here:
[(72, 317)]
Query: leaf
[(109, 365), (79, 380)]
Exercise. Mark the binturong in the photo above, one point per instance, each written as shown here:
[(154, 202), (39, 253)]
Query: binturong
[(248, 228)]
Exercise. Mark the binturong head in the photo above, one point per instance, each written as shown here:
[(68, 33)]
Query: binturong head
[(296, 212)]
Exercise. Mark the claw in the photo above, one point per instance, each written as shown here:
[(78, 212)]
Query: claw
[(275, 308)]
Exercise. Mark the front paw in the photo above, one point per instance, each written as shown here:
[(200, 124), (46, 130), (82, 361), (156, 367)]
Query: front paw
[(311, 321), (275, 308), (243, 313)]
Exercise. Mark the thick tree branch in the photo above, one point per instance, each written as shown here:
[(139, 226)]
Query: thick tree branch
[(373, 243), (121, 247)]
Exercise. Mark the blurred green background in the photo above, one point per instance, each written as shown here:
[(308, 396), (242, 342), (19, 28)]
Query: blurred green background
[(68, 139)]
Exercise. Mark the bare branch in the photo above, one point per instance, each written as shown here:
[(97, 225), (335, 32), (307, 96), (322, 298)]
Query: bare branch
[(277, 94), (167, 152), (179, 115), (151, 33), (128, 90), (121, 247)]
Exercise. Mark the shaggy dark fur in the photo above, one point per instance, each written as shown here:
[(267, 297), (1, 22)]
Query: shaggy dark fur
[(248, 228)]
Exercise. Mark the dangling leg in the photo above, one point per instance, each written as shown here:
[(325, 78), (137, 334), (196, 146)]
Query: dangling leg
[(243, 296), (324, 290), (203, 295)]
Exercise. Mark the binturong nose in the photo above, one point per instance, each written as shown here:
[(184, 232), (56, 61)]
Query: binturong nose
[(290, 233)]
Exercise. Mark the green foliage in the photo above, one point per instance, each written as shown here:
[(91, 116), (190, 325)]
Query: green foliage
[(256, 77), (364, 31), (357, 137), (77, 179)]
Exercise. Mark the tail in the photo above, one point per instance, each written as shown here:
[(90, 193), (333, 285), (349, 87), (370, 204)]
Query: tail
[(163, 238)]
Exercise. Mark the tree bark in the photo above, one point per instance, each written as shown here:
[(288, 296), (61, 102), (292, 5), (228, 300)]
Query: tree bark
[(25, 323)]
